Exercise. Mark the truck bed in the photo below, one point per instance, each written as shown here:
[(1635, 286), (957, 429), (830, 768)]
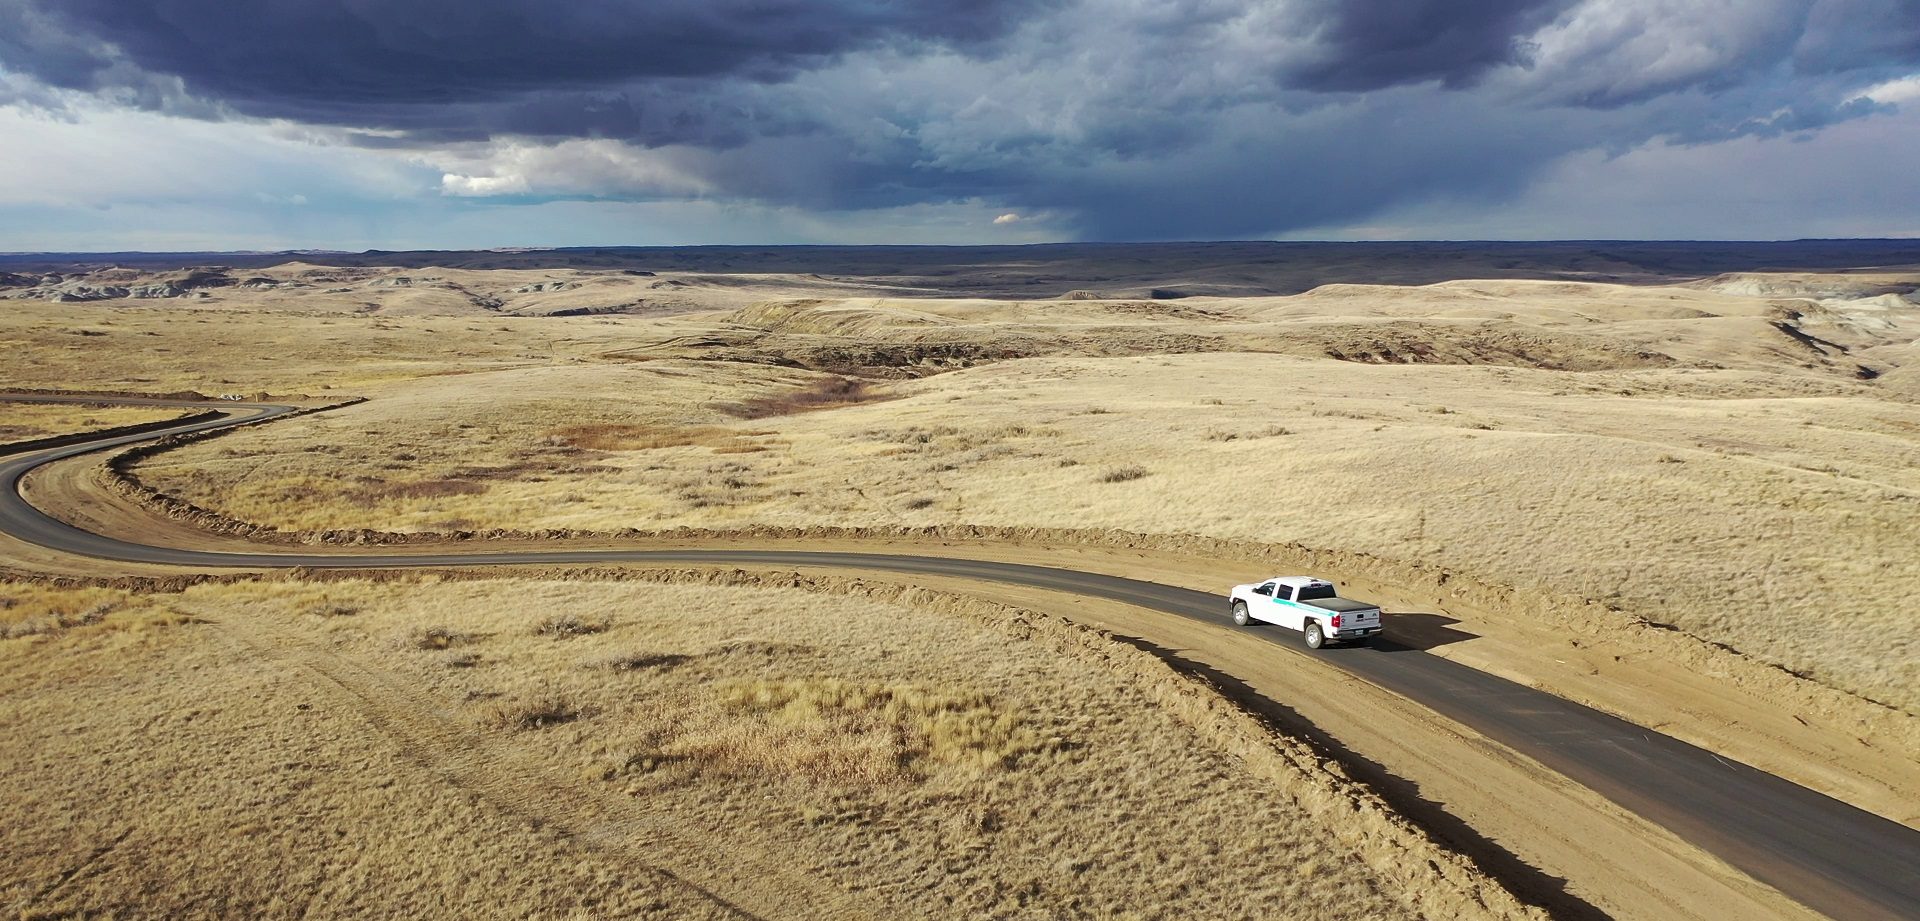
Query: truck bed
[(1341, 605)]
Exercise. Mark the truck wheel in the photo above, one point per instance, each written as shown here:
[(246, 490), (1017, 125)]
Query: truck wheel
[(1315, 637), (1240, 613)]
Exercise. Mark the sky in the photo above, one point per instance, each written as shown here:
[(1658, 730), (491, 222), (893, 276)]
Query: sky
[(454, 124)]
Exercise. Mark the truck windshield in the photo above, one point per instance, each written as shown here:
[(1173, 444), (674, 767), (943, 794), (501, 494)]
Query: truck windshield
[(1315, 592)]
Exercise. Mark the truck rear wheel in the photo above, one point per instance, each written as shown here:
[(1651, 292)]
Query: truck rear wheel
[(1240, 613), (1315, 637)]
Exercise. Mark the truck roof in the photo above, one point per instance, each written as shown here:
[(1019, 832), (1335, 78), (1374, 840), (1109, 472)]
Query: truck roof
[(1300, 581)]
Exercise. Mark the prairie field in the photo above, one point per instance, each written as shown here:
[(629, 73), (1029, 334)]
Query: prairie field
[(556, 748), (27, 421), (1649, 494), (1704, 471)]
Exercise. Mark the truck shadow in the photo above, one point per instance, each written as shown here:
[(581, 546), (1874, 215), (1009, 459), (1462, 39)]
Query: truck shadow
[(1527, 882), (1412, 632)]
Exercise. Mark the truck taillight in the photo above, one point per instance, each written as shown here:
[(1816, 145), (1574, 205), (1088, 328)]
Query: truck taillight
[(1336, 621)]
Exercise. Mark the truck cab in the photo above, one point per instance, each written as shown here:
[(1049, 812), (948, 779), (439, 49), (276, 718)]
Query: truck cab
[(1312, 606)]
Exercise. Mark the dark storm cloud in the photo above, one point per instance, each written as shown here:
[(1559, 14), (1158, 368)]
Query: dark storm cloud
[(1848, 34), (319, 56), (1123, 119), (1371, 44)]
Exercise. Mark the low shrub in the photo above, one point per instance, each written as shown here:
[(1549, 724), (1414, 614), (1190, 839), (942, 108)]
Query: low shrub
[(538, 712), (563, 626), (438, 638)]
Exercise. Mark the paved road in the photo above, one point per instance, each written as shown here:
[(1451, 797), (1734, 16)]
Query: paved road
[(1832, 857)]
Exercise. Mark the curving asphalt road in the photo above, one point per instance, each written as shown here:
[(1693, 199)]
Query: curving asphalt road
[(1834, 858)]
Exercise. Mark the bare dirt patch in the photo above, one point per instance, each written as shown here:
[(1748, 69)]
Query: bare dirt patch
[(828, 393)]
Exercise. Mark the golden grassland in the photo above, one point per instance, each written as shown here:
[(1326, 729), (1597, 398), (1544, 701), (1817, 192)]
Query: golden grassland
[(1720, 464), (163, 349), (546, 748), (1731, 458), (1709, 500), (26, 421)]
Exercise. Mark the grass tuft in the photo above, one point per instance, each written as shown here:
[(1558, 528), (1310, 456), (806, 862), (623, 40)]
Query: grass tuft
[(538, 712), (438, 638), (564, 626)]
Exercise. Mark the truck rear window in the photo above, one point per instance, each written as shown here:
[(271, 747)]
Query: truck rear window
[(1315, 592)]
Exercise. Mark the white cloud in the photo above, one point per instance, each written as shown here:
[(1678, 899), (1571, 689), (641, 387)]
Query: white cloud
[(1895, 92), (596, 167), (1614, 51), (481, 186), (1007, 218)]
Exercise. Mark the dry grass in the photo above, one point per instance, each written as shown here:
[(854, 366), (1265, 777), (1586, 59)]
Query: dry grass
[(563, 626), (540, 711), (1668, 451), (630, 437), (191, 774), (437, 638), (28, 610), (1692, 498), (24, 421), (33, 615), (367, 494), (837, 731), (175, 347), (839, 754)]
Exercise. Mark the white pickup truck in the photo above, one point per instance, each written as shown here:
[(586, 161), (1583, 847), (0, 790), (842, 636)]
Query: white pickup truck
[(1308, 605)]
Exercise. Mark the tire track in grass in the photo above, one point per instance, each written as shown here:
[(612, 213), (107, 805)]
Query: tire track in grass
[(518, 784)]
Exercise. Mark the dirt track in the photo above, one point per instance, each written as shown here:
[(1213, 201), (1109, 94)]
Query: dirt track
[(1467, 784), (754, 885)]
